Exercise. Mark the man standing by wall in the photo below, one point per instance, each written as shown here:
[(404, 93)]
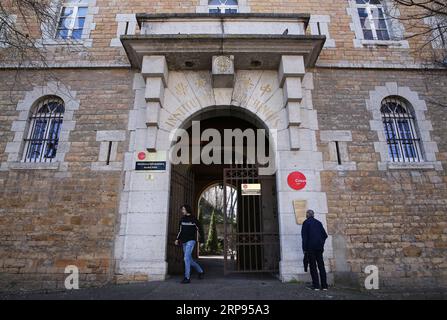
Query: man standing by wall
[(314, 237)]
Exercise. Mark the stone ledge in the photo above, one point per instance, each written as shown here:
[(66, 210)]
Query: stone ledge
[(435, 165), (34, 165), (384, 43)]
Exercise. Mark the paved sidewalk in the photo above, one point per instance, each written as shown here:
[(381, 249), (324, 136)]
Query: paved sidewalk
[(220, 289), (217, 287)]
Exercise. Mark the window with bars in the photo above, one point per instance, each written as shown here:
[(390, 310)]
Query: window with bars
[(400, 131), (44, 129), (373, 19), (72, 19), (223, 6)]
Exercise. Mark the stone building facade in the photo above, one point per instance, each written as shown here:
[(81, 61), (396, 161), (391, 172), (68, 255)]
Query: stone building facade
[(310, 72)]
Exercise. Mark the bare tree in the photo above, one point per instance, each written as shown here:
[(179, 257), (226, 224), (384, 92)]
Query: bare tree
[(21, 32), (427, 21), (24, 26)]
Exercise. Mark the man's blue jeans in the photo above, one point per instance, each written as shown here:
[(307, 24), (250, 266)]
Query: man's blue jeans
[(189, 261)]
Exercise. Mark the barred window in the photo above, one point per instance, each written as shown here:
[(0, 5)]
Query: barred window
[(223, 6), (400, 131), (44, 128), (72, 19), (373, 19)]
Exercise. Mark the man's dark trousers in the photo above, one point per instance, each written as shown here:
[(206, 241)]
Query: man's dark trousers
[(316, 259)]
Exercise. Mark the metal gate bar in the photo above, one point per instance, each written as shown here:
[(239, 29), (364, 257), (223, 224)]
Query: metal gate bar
[(245, 239)]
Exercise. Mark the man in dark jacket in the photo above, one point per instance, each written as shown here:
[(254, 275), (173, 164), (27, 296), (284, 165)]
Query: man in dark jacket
[(314, 237), (187, 235)]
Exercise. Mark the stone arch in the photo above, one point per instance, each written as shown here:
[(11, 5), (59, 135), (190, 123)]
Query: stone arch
[(164, 99), (188, 94)]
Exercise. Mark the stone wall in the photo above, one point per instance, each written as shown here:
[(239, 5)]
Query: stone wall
[(394, 219), (50, 218), (100, 48)]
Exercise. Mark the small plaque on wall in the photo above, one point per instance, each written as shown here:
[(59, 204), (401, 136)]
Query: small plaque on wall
[(300, 208)]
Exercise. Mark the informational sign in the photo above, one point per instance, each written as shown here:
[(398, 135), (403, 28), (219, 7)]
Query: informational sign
[(297, 180), (150, 161), (150, 166), (251, 189), (300, 208)]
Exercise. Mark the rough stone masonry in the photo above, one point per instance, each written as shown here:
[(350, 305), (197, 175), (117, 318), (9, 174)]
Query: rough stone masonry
[(90, 208)]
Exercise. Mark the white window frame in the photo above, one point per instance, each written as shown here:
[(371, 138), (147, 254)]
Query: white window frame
[(12, 20), (49, 31), (14, 149), (428, 146), (397, 132), (75, 5), (223, 7), (32, 128), (369, 7), (438, 39), (243, 6), (394, 27)]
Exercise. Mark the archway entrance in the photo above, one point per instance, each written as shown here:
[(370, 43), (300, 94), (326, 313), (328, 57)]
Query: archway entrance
[(250, 218)]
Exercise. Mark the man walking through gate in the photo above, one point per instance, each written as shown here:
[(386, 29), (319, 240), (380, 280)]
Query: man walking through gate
[(187, 235), (314, 237)]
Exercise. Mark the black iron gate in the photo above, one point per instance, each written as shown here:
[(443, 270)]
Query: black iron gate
[(182, 192), (251, 229)]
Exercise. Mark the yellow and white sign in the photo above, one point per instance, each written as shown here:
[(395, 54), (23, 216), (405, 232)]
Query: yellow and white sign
[(251, 189), (300, 208)]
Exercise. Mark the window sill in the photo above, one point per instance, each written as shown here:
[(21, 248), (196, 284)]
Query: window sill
[(34, 165), (434, 165), (67, 42), (384, 43)]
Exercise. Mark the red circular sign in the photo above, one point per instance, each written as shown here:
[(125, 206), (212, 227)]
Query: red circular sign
[(297, 180), (141, 156)]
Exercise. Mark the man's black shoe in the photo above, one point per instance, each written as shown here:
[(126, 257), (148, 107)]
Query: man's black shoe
[(185, 280), (201, 275)]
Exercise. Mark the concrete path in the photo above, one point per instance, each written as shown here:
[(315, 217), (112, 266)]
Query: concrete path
[(217, 287)]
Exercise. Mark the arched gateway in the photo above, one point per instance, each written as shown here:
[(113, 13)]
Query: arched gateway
[(251, 233), (238, 76)]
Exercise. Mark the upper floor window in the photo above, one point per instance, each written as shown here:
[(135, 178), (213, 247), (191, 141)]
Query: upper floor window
[(44, 128), (438, 28), (441, 30), (400, 131), (6, 26), (3, 28), (223, 6), (372, 19), (72, 19)]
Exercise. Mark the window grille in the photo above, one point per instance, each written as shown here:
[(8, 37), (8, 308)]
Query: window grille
[(44, 129), (400, 131)]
